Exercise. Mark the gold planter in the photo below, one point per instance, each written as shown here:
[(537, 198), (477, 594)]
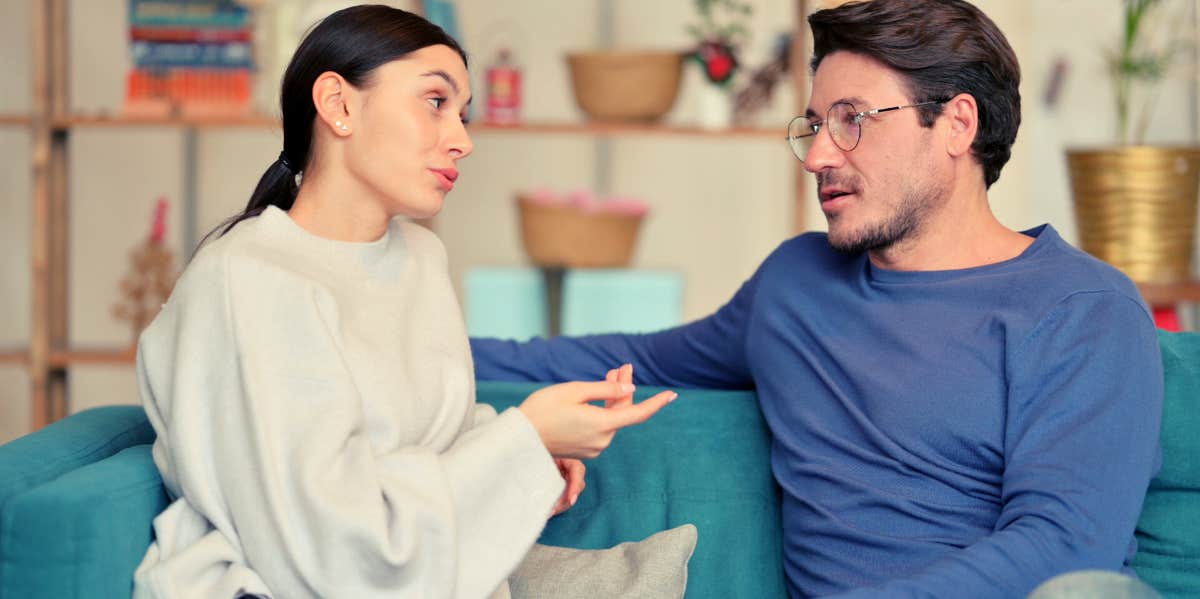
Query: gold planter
[(1135, 208)]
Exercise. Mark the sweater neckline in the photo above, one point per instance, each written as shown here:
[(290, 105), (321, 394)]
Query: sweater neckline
[(279, 220), (1043, 236)]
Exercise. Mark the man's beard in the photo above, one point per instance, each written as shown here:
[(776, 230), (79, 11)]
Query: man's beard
[(896, 227), (903, 222)]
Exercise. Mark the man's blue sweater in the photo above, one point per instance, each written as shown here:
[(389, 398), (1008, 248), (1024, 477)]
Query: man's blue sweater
[(965, 433)]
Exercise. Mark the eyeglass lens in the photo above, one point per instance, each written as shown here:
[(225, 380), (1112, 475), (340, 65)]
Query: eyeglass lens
[(841, 121)]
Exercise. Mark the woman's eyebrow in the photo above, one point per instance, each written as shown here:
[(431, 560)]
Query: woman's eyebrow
[(446, 76)]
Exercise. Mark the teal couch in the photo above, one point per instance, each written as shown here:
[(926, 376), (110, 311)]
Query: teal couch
[(77, 498)]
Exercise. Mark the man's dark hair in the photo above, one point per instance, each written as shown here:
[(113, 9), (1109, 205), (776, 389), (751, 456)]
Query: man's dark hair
[(941, 48)]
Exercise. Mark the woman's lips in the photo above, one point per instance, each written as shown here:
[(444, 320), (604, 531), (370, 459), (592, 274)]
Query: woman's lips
[(446, 177)]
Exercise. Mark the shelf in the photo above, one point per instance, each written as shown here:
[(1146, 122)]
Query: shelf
[(19, 120), (1167, 294), (10, 355), (206, 122), (609, 129), (92, 357), (269, 122)]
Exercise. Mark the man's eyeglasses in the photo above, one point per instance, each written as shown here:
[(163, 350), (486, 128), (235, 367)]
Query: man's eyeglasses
[(845, 126)]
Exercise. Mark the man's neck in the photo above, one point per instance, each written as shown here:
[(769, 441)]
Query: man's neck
[(963, 233)]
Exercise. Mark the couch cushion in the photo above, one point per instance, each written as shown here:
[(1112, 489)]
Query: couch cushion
[(1168, 532), (83, 533), (655, 567), (83, 438), (704, 460)]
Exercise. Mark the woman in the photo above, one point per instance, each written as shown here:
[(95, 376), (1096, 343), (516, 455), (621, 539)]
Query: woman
[(310, 379)]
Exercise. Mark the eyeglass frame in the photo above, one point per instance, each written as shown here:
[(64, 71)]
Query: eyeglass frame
[(859, 116)]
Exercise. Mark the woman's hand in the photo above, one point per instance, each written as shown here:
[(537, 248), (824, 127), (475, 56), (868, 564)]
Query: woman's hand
[(570, 427), (572, 471)]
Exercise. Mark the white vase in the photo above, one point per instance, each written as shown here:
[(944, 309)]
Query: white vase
[(715, 106)]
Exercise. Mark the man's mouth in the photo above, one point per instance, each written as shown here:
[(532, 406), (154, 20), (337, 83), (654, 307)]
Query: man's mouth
[(828, 195)]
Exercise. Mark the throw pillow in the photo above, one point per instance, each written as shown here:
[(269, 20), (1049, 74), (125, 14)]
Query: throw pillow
[(652, 568)]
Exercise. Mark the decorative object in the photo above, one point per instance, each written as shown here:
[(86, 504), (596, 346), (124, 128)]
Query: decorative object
[(150, 279), (503, 90), (1135, 205), (719, 35), (625, 85), (758, 90), (577, 231), (191, 58)]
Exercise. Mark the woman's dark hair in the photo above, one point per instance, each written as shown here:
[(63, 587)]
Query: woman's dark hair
[(351, 42), (941, 48)]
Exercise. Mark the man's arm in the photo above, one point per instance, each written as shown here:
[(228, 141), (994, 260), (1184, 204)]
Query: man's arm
[(706, 353), (1085, 408)]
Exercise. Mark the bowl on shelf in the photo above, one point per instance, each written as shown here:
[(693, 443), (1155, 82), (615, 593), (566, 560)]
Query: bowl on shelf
[(625, 85), (563, 235)]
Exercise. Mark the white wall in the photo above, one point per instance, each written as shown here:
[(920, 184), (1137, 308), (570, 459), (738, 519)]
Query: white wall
[(719, 205)]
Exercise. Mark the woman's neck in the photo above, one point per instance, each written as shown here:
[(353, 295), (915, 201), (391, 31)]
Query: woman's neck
[(330, 205)]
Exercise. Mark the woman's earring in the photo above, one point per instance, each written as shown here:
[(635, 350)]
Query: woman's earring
[(339, 125)]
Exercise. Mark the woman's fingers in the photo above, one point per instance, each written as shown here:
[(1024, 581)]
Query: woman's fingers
[(640, 412)]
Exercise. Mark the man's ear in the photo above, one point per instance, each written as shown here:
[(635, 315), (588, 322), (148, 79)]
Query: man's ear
[(962, 113), (333, 96)]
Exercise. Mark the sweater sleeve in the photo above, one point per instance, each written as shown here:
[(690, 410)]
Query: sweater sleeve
[(266, 437), (1085, 408), (707, 353)]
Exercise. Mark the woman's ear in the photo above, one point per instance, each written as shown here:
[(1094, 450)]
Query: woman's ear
[(963, 114), (333, 96)]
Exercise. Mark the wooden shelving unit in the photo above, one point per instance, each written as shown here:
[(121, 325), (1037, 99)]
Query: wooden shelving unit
[(205, 122), (93, 357), (48, 356), (14, 355), (598, 129), (1169, 294), (623, 129), (15, 120)]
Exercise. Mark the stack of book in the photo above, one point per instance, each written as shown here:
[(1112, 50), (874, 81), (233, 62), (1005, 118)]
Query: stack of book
[(190, 58)]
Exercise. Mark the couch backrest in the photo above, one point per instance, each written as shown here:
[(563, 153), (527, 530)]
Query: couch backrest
[(1168, 532), (705, 460)]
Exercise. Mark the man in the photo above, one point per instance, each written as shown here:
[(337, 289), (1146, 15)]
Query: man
[(958, 409)]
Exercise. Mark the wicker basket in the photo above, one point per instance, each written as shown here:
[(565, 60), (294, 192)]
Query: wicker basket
[(625, 86), (1136, 208), (562, 235)]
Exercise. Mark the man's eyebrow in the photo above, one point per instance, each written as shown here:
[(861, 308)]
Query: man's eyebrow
[(854, 101), (446, 76)]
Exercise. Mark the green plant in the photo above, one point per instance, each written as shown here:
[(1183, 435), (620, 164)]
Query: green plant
[(721, 20), (718, 34), (1139, 63)]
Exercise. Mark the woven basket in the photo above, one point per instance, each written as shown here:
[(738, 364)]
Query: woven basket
[(1136, 208), (625, 86), (561, 235)]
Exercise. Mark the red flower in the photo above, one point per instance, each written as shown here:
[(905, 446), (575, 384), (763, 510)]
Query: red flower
[(720, 67), (718, 60)]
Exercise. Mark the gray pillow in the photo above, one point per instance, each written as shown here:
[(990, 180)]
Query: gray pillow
[(650, 568)]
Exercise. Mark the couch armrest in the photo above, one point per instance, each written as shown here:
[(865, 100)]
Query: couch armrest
[(83, 533)]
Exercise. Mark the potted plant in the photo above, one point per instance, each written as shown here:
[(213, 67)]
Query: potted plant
[(1135, 204), (719, 35)]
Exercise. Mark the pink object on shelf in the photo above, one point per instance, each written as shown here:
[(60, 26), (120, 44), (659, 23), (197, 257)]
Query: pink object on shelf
[(583, 200), (158, 230), (544, 196), (625, 206)]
